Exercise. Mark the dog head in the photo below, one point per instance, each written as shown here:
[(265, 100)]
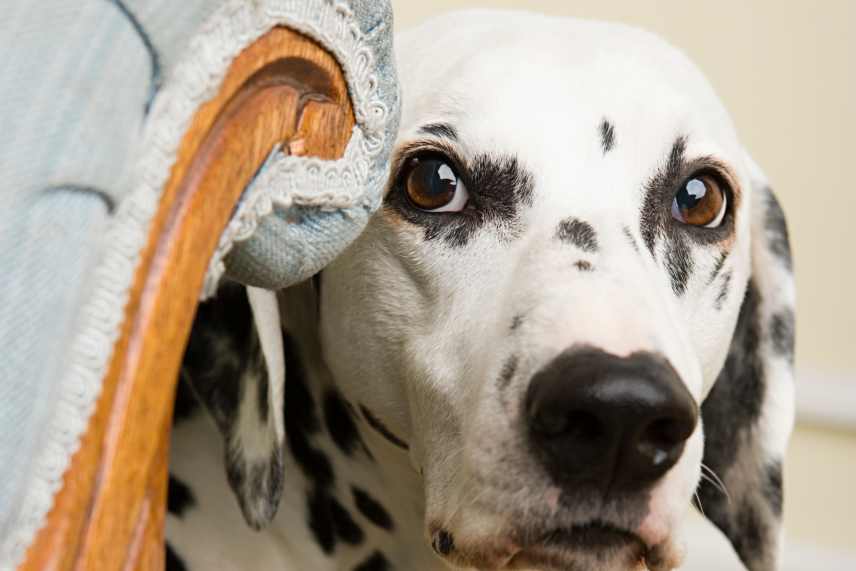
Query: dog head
[(573, 311), (577, 291)]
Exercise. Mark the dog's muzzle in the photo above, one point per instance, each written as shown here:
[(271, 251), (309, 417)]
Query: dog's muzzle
[(605, 423)]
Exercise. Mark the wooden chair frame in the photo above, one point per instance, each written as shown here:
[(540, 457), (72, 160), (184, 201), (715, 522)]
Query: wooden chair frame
[(283, 89)]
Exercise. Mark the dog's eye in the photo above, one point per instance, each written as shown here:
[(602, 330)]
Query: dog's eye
[(700, 202), (433, 185)]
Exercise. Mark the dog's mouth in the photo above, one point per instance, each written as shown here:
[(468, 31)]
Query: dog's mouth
[(592, 545), (594, 535), (563, 548)]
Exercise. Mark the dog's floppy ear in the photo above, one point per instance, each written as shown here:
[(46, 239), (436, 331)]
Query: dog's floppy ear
[(748, 414), (234, 363)]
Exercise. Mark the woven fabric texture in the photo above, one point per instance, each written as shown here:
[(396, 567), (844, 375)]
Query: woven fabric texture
[(95, 99)]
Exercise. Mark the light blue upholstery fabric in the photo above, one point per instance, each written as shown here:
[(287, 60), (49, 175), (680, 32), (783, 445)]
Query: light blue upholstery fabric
[(49, 248), (74, 85), (90, 90)]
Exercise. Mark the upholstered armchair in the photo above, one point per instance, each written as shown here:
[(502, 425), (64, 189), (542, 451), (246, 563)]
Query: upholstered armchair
[(151, 148)]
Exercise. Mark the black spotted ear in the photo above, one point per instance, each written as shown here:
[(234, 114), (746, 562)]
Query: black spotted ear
[(234, 363), (748, 414)]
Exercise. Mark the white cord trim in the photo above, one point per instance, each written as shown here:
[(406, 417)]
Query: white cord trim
[(286, 181), (339, 184)]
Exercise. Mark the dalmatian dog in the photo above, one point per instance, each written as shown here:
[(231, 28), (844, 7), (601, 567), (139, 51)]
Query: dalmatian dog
[(571, 320)]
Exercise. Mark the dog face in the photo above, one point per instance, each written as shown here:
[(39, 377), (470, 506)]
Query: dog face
[(577, 289)]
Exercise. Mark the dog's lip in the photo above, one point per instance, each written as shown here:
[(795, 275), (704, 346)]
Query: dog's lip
[(592, 534), (557, 548)]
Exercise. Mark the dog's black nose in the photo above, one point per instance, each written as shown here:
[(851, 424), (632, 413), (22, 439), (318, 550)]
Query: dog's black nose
[(612, 423)]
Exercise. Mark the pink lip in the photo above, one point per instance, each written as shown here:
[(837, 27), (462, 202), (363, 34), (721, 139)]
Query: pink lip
[(558, 557), (556, 549), (653, 530)]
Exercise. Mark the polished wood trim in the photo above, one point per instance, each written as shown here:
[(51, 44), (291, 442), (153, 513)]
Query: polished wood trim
[(283, 89)]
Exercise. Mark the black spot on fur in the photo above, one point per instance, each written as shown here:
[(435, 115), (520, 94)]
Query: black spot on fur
[(262, 387), (186, 404), (748, 533), (773, 487), (507, 372), (375, 562), (498, 186), (379, 426), (734, 402), (583, 266), (656, 221), (443, 542), (720, 262), (443, 130), (340, 423), (316, 287), (659, 194), (777, 229), (346, 528), (173, 561), (731, 413), (679, 264), (301, 415), (630, 238), (516, 322), (221, 345), (321, 520), (782, 333), (371, 509), (579, 233), (724, 289), (301, 419), (178, 497), (312, 462), (329, 521), (607, 136)]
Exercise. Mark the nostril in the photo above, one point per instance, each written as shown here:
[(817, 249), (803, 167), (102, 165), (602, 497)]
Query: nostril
[(662, 441), (575, 425), (549, 423), (663, 433), (584, 426)]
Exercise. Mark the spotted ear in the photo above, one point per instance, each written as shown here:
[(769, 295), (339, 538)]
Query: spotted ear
[(748, 414), (234, 363)]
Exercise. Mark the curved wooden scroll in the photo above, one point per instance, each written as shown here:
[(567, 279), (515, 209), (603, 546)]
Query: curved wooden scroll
[(284, 88)]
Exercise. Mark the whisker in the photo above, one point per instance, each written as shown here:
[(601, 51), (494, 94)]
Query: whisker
[(718, 481), (698, 503), (713, 483)]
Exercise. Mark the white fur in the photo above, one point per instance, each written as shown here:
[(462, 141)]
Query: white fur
[(434, 320), (418, 331)]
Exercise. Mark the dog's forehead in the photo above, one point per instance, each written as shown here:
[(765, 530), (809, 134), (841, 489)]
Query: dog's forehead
[(545, 89)]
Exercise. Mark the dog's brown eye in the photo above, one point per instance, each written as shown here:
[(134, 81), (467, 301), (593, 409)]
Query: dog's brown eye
[(434, 186), (700, 202)]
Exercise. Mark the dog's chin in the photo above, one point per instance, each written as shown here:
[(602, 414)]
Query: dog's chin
[(589, 547)]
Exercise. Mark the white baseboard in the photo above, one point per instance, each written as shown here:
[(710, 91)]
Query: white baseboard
[(826, 399)]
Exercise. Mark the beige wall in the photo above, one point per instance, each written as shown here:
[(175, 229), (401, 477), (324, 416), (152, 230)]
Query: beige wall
[(786, 71)]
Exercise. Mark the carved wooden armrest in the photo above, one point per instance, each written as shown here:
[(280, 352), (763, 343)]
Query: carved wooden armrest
[(284, 88)]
